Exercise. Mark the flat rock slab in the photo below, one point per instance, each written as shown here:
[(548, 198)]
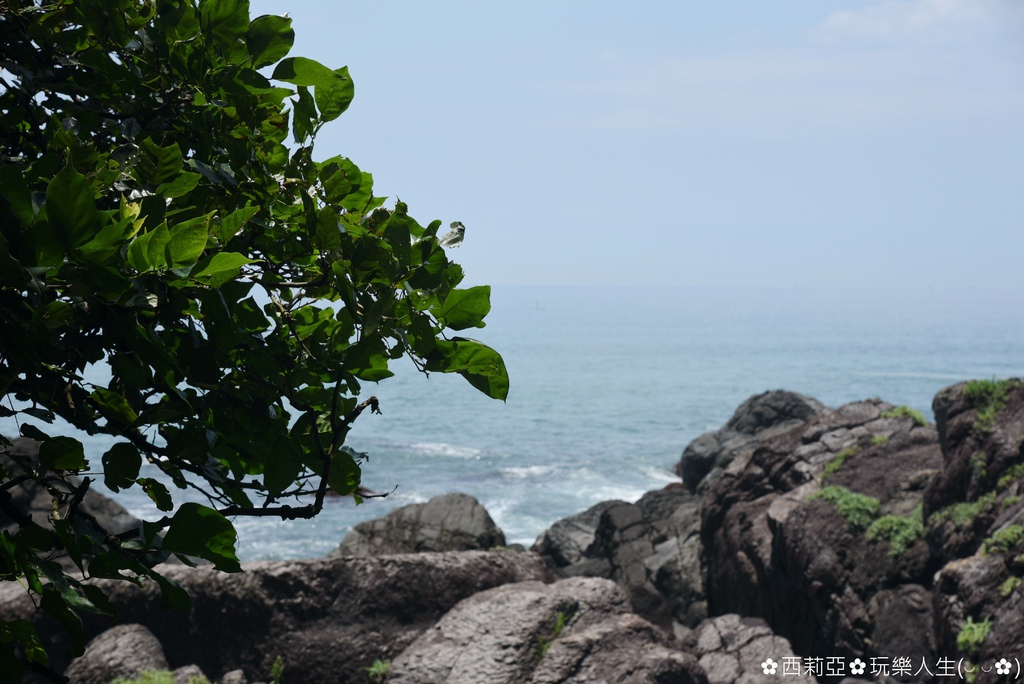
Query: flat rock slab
[(573, 631)]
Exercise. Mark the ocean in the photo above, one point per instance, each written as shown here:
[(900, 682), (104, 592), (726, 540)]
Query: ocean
[(608, 385)]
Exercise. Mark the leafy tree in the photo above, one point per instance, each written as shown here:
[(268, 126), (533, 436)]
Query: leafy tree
[(153, 219)]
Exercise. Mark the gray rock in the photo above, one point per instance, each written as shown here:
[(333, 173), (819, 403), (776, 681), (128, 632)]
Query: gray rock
[(565, 542), (760, 417), (189, 674), (650, 548), (328, 618), (234, 677), (731, 650), (450, 522), (574, 631), (124, 651), (771, 549)]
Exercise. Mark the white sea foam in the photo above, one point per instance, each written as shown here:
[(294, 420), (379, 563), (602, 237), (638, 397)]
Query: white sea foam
[(445, 450), (527, 472)]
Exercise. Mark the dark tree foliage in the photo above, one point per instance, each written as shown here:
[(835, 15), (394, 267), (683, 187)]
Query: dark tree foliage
[(152, 219)]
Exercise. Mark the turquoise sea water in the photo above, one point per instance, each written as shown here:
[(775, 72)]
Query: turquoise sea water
[(610, 384)]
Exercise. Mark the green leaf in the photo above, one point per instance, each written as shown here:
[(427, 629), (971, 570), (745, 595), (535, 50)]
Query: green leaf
[(200, 531), (219, 268), (172, 595), (479, 364), (225, 20), (121, 466), (328, 230), (71, 207), (16, 192), (182, 184), (360, 199), (345, 474), (303, 115), (332, 90), (114, 406), (368, 359), (233, 222), (101, 604), (156, 491), (25, 632), (159, 164), (147, 252), (280, 473), (62, 453), (56, 605), (187, 241), (108, 241), (269, 39), (466, 308)]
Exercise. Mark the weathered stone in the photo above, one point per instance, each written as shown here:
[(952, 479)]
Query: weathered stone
[(449, 522), (773, 550), (124, 651), (189, 674), (328, 618), (565, 542), (574, 631), (760, 417), (732, 650)]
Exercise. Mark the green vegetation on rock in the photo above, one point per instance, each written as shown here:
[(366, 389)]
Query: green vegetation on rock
[(858, 509), (988, 398), (900, 531), (1009, 586), (1004, 540), (561, 619), (277, 671), (1010, 475), (965, 512), (833, 466), (906, 412), (972, 635), (163, 213), (879, 439), (378, 671), (979, 464)]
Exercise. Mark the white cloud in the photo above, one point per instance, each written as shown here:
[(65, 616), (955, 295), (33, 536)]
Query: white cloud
[(898, 62), (933, 21)]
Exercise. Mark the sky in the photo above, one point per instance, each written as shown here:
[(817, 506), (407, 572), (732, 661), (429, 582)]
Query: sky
[(806, 143)]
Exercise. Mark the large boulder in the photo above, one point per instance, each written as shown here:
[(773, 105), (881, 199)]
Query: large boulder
[(651, 549), (982, 428), (124, 651), (329, 618), (576, 631), (787, 529), (760, 417), (866, 533), (449, 522), (565, 543)]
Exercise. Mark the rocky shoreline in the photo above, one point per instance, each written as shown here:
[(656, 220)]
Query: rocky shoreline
[(859, 543)]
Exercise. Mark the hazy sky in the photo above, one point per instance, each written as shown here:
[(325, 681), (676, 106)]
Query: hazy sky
[(586, 142)]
